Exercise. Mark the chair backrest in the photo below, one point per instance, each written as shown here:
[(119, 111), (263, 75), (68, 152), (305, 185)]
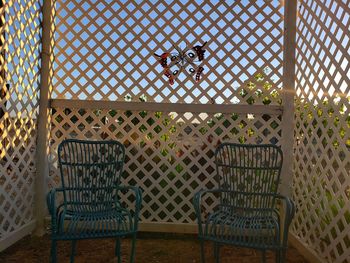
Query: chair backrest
[(251, 170), (87, 166)]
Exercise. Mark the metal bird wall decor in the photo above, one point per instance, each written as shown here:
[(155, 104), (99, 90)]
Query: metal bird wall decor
[(182, 60)]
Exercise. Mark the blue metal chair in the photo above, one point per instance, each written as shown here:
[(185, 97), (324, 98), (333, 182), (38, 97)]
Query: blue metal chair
[(249, 213), (91, 190)]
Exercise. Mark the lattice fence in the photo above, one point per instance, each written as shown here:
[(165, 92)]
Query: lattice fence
[(20, 46), (169, 155), (322, 150), (105, 49)]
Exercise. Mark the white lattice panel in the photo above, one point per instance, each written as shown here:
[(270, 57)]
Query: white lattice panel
[(20, 45), (169, 155), (105, 49), (322, 150)]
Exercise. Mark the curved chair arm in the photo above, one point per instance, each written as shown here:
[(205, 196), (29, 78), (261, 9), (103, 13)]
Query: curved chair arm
[(138, 200), (197, 205), (51, 206), (289, 207), (288, 216)]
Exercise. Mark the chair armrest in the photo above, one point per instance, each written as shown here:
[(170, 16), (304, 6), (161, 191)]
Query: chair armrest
[(51, 206), (289, 212), (289, 205), (289, 209), (138, 195), (197, 199), (51, 200)]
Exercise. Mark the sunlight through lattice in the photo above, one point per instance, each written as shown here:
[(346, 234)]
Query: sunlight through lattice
[(20, 59), (105, 50), (322, 150)]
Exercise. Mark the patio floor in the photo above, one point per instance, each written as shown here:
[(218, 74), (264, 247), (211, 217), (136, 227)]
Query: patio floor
[(151, 248)]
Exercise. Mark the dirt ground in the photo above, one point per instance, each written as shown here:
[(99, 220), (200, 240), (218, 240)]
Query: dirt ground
[(155, 248)]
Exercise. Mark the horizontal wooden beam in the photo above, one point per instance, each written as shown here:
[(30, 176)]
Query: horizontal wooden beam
[(167, 107)]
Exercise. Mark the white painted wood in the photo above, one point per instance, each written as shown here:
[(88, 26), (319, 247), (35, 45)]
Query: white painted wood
[(322, 148), (170, 139), (240, 44), (288, 95), (167, 107), (42, 167), (169, 154), (321, 181), (20, 58)]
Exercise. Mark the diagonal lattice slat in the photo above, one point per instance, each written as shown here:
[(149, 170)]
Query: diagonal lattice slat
[(104, 50), (322, 150), (20, 33)]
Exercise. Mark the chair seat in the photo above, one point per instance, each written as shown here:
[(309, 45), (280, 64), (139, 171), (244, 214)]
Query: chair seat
[(243, 228), (79, 225)]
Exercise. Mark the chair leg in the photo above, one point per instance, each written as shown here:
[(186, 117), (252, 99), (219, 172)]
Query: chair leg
[(283, 255), (278, 256), (53, 255), (73, 251), (263, 258), (118, 250), (217, 252), (202, 251), (133, 243)]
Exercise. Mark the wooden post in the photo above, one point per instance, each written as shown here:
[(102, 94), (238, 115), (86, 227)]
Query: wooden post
[(42, 168), (288, 94)]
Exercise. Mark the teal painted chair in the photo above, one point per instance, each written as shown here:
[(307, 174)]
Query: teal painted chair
[(91, 206), (249, 212)]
